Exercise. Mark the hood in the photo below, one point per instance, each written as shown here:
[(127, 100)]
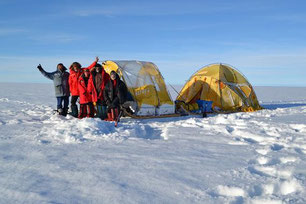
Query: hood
[(64, 68), (117, 76)]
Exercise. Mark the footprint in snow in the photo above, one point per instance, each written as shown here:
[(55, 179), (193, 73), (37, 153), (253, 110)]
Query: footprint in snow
[(263, 151), (270, 171), (276, 147)]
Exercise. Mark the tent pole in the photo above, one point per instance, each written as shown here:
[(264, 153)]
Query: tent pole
[(174, 89)]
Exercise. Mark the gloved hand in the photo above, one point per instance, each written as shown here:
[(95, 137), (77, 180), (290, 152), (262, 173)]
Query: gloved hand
[(39, 66)]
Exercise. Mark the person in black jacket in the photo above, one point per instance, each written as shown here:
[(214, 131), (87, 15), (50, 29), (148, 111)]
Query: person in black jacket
[(61, 86), (115, 94)]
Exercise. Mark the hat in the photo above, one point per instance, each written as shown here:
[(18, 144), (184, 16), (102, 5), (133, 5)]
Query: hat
[(98, 65)]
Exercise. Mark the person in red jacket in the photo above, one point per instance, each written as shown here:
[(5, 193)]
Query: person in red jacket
[(75, 72), (99, 78), (86, 90)]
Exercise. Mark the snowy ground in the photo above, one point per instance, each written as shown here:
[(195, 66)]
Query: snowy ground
[(236, 158)]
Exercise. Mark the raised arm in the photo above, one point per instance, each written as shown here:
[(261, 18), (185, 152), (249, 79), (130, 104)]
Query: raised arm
[(93, 64), (46, 74)]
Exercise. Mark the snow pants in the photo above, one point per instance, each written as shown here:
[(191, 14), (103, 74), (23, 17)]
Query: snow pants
[(74, 107), (86, 110)]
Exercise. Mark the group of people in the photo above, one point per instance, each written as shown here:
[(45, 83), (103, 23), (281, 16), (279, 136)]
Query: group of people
[(100, 94)]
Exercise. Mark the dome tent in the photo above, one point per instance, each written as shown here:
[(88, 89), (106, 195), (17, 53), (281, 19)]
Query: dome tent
[(146, 86), (226, 87)]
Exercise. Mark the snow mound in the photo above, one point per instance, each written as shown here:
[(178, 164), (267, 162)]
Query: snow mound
[(291, 186), (230, 191), (59, 129)]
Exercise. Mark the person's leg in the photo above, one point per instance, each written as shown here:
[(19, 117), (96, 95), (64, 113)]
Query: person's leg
[(90, 110), (59, 102), (109, 114), (104, 112), (74, 107), (100, 112), (66, 104), (83, 111), (103, 109), (114, 112)]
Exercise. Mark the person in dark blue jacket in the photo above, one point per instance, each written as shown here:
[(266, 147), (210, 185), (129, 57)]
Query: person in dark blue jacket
[(61, 86)]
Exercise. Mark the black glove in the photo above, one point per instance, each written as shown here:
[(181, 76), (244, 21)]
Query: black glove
[(39, 66)]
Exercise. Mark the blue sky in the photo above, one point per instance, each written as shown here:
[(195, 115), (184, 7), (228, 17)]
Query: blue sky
[(264, 39)]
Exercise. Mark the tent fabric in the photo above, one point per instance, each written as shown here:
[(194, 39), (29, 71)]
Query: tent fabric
[(144, 81), (226, 87)]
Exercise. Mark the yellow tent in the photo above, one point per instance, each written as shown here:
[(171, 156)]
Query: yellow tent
[(228, 89), (146, 85)]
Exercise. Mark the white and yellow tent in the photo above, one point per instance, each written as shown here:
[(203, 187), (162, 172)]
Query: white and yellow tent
[(226, 87), (146, 85)]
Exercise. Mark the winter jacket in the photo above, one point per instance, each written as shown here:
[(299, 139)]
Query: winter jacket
[(98, 91), (115, 95), (60, 81), (74, 78), (85, 87)]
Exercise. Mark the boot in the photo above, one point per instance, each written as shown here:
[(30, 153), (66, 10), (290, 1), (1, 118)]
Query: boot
[(65, 111), (60, 111), (74, 111), (109, 117)]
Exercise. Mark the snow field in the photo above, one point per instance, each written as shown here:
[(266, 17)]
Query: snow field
[(235, 158)]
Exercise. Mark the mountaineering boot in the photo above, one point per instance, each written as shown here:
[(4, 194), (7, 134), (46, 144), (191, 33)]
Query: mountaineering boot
[(74, 111), (109, 117), (65, 111), (60, 111)]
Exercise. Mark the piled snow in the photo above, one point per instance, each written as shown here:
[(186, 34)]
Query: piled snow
[(230, 191), (236, 158)]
